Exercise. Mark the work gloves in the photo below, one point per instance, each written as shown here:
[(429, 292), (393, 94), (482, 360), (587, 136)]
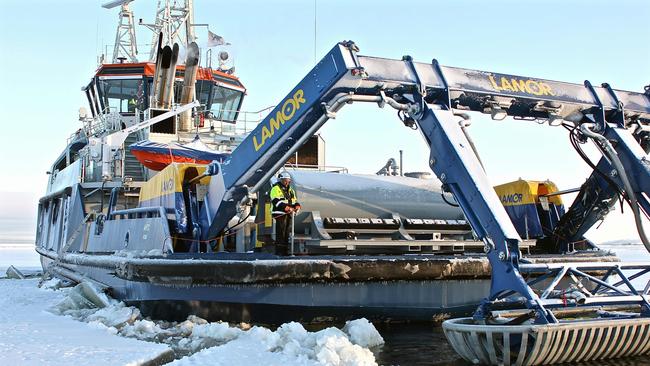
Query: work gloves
[(295, 208)]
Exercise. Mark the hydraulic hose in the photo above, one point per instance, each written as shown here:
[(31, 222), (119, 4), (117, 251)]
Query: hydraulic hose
[(466, 122), (611, 154), (330, 109)]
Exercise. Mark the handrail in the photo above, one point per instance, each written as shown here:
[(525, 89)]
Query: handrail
[(320, 168), (242, 118), (138, 211)]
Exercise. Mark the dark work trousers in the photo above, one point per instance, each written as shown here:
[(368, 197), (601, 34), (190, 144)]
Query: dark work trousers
[(282, 232)]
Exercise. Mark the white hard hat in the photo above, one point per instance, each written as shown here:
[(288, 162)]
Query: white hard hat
[(284, 175)]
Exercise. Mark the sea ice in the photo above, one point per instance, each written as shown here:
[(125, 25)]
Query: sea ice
[(14, 273), (290, 344), (33, 336), (363, 333), (204, 343)]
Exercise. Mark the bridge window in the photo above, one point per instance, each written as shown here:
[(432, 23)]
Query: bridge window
[(122, 95), (225, 103), (203, 91)]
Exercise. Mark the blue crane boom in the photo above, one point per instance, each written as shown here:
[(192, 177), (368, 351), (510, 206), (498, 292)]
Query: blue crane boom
[(343, 71), (425, 96)]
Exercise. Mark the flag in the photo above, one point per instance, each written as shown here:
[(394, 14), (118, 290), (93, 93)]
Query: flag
[(215, 40)]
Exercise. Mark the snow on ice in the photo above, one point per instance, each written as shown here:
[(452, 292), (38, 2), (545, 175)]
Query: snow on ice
[(31, 335), (290, 344), (118, 334)]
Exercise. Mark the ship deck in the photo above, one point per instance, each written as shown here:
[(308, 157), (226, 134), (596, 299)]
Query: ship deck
[(264, 288), (250, 268)]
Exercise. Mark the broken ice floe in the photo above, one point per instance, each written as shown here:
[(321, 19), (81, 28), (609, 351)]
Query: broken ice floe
[(201, 341), (290, 344), (14, 273)]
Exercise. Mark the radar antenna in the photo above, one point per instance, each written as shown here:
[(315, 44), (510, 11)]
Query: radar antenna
[(125, 44)]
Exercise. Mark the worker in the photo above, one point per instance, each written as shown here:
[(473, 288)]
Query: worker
[(132, 103), (284, 205)]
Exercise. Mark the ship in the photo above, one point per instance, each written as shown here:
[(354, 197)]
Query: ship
[(131, 206)]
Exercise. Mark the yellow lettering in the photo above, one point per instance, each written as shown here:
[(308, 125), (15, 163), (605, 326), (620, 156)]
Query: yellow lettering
[(505, 85), (494, 83), (286, 113), (255, 144), (546, 89), (533, 87), (299, 98), (280, 117), (275, 125), (288, 109), (519, 85), (266, 134)]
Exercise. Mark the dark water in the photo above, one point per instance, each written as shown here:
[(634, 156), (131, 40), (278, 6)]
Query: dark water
[(414, 344)]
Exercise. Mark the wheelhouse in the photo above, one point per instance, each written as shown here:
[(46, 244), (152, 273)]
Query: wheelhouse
[(125, 88)]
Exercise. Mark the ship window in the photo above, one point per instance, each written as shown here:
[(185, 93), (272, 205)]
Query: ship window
[(149, 92), (178, 90), (60, 164), (122, 95), (90, 100), (203, 91), (225, 103)]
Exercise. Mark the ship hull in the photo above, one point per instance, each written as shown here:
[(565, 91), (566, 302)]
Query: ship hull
[(267, 289)]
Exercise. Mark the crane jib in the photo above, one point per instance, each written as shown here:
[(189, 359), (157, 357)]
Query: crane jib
[(424, 95), (344, 73), (527, 89), (515, 84), (285, 114)]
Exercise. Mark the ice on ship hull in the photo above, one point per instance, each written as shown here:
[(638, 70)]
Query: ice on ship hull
[(263, 288)]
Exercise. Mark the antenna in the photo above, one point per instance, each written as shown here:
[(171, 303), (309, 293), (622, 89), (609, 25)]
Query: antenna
[(125, 44), (174, 22)]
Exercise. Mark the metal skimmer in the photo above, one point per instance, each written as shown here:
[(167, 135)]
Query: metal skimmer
[(549, 343)]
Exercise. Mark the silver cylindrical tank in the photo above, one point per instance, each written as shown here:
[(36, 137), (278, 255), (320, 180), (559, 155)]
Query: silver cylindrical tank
[(372, 196)]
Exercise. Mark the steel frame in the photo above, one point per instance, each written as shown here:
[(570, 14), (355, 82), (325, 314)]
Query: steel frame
[(425, 96)]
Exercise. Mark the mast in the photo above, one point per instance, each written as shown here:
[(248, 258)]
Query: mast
[(125, 43), (174, 22)]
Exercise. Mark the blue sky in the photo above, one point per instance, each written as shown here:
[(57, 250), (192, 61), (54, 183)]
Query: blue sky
[(50, 49)]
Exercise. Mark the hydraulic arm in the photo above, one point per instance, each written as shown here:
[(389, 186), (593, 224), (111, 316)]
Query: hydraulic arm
[(342, 77), (425, 96)]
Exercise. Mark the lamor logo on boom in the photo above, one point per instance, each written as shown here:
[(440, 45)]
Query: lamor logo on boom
[(512, 198), (514, 84), (288, 110)]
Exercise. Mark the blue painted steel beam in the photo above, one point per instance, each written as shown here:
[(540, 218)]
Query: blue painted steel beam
[(279, 132), (288, 121), (635, 161), (452, 158), (302, 109), (454, 162)]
